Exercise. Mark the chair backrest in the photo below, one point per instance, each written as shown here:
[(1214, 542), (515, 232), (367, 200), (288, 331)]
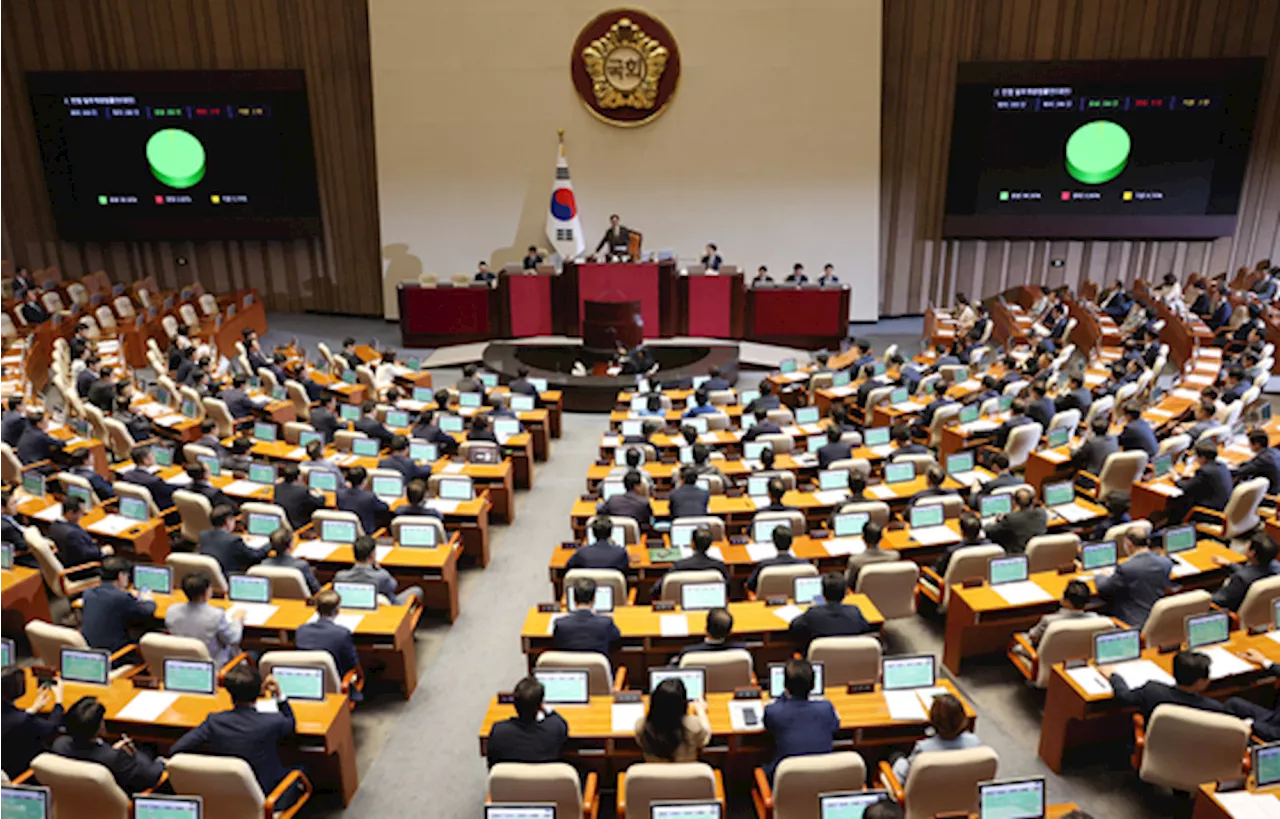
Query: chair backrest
[(185, 563), (286, 582), (673, 582), (80, 788), (189, 316), (127, 489), (1022, 442), (1242, 508), (860, 465), (216, 409), (952, 505), (1102, 406), (1120, 470), (891, 585), (1122, 533), (106, 319), (612, 578), (170, 325), (12, 466), (442, 536), (799, 780), (778, 442), (1186, 747), (343, 438), (208, 304), (46, 560), (715, 524), (1067, 419), (524, 783), (1174, 445), (921, 461), (322, 660), (298, 397), (941, 417), (1067, 640), (778, 581), (630, 527), (471, 451), (195, 510), (226, 783), (47, 641), (1014, 387), (599, 673), (1220, 433), (878, 396), (1047, 552), (1255, 610), (726, 670), (156, 647), (717, 420), (875, 510), (321, 515), (781, 416), (787, 477), (792, 517), (947, 781), (846, 659), (649, 782), (1166, 623), (67, 479), (967, 562)]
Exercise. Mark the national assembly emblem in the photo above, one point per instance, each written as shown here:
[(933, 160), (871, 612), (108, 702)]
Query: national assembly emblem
[(625, 67)]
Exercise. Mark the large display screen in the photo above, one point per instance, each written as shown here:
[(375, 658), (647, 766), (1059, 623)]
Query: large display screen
[(1143, 149), (177, 154)]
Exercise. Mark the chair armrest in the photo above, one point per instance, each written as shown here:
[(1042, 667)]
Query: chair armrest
[(1139, 741), (1021, 639), (890, 781), (25, 776), (232, 663), (631, 596), (354, 677), (620, 678), (1200, 511), (124, 652), (37, 464), (164, 777), (927, 572), (766, 793), (622, 795), (591, 796), (293, 776), (719, 786), (70, 570), (1094, 482)]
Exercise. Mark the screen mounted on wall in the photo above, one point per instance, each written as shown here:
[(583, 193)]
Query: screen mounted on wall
[(177, 154), (1140, 149)]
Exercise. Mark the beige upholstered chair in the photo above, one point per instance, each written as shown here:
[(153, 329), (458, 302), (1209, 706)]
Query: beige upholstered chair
[(1185, 747), (921, 462), (297, 395), (287, 583), (442, 536), (80, 788), (781, 416), (1047, 552), (47, 641), (216, 409), (726, 670), (323, 660), (891, 587), (1241, 515), (779, 581), (941, 418), (966, 562), (612, 578), (1023, 440), (673, 582), (875, 510), (293, 431), (1166, 624), (57, 578), (629, 525), (1255, 610), (600, 676), (1119, 471), (780, 444), (119, 441), (952, 505), (800, 780), (322, 515), (1174, 445), (715, 524), (1063, 640), (942, 781), (471, 452), (787, 477), (67, 479), (792, 517), (1067, 419), (647, 782), (195, 510), (185, 563), (1122, 533), (846, 659), (229, 788), (860, 465), (156, 647), (343, 438), (555, 783)]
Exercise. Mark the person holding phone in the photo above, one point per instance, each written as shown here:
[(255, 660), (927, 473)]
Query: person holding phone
[(26, 733)]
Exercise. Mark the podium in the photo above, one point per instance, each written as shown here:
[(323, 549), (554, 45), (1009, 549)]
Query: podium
[(606, 323), (652, 284)]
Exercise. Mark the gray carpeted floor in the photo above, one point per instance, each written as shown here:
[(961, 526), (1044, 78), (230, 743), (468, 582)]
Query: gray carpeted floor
[(421, 758)]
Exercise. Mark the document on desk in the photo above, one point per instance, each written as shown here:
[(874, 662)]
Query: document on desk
[(1137, 673), (979, 426), (1273, 636), (838, 546), (267, 706), (50, 513), (453, 469), (905, 705), (255, 614), (314, 549), (1090, 679), (830, 497), (1166, 489), (350, 622), (1072, 512), (881, 451), (241, 488), (805, 460), (111, 525), (882, 491), (738, 710), (181, 479), (969, 384), (147, 706), (934, 535), (1022, 593), (674, 625), (296, 454), (713, 552), (444, 507), (788, 613), (1223, 663), (708, 438), (623, 717), (928, 695), (841, 392), (761, 551), (610, 441), (381, 552), (1249, 805), (1182, 567), (1053, 456), (1187, 395)]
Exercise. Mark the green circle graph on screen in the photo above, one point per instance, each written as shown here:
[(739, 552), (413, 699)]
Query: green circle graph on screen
[(176, 158), (1097, 152)]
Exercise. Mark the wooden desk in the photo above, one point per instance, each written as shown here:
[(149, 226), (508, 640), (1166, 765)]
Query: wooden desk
[(1207, 805), (435, 571), (323, 742), (97, 450), (146, 540), (664, 474), (22, 599), (643, 645)]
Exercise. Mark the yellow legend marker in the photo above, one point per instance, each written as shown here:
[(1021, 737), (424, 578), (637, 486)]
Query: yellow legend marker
[(1128, 196), (215, 198)]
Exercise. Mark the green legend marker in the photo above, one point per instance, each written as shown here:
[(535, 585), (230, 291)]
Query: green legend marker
[(176, 158), (1097, 152)]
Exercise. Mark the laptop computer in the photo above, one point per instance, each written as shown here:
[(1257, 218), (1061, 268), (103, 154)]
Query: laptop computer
[(262, 474), (706, 809), (189, 676), (85, 665), (247, 588), (899, 473), (1009, 569), (849, 524), (418, 536), (365, 447), (848, 804), (806, 590), (157, 579), (1117, 646), (388, 487), (1207, 629), (300, 682), (459, 489), (1011, 799), (26, 802), (875, 436), (564, 686), (898, 673), (363, 596), (338, 531), (694, 679), (322, 480), (700, 596), (762, 530), (1100, 555), (1266, 765)]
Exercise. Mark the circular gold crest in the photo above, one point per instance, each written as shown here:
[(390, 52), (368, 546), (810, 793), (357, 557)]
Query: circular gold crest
[(625, 67)]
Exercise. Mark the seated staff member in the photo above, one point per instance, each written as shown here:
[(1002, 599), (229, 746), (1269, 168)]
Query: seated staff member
[(688, 499), (35, 443), (800, 726), (602, 553), (782, 539), (372, 510), (935, 477), (399, 460), (872, 534), (1016, 419), (292, 495), (719, 627), (831, 617), (1012, 531), (1004, 477), (1136, 584), (143, 461), (79, 460), (767, 400), (1092, 454), (668, 732), (367, 570), (1209, 487), (834, 449), (75, 546), (534, 734), (278, 545), (903, 444), (1191, 678), (247, 733), (971, 532), (1137, 433), (110, 608), (630, 503), (199, 475), (1074, 599), (369, 424), (1261, 564), (950, 733), (1265, 462), (324, 634), (131, 767), (762, 275), (582, 629), (699, 560), (211, 625), (223, 545), (762, 426), (27, 733)]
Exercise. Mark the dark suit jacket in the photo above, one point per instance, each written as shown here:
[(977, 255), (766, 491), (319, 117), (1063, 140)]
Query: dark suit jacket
[(288, 561), (75, 545), (238, 403), (782, 559), (367, 506), (694, 563), (84, 380), (417, 511), (1016, 528), (243, 732), (909, 449), (374, 429), (600, 555), (713, 261), (828, 620), (298, 502), (514, 740), (707, 645), (1138, 435), (36, 445), (944, 560), (326, 635), (432, 434), (1154, 693), (133, 772), (688, 500), (229, 549), (13, 425), (1002, 434), (615, 237), (522, 386), (584, 630), (26, 736), (716, 382), (34, 312), (161, 492), (1232, 593), (1093, 453), (11, 533), (1007, 479), (1135, 586), (830, 453), (1266, 464), (326, 423), (213, 493), (761, 428), (1041, 411), (405, 466), (1210, 487), (800, 727), (630, 505), (1080, 399), (108, 613), (101, 488)]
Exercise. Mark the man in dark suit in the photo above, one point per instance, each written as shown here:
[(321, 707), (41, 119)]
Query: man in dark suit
[(372, 511), (711, 259), (828, 276), (688, 499), (903, 445), (1017, 419), (32, 310), (1266, 721), (143, 461), (762, 426), (14, 421), (533, 734), (298, 502), (1265, 462), (782, 538), (425, 429), (935, 476), (398, 459), (1076, 396), (324, 418), (629, 504), (247, 732), (133, 769), (75, 546), (1012, 531), (1137, 433), (481, 430), (236, 399), (225, 546), (324, 634), (602, 553), (1041, 408), (532, 258), (36, 444), (715, 380), (27, 732), (521, 384), (199, 475), (616, 240), (1137, 583), (1261, 563), (369, 424), (1191, 675), (971, 531), (719, 629), (483, 273), (87, 376), (800, 726), (415, 493), (279, 543), (834, 449), (582, 629), (1092, 454), (209, 438), (110, 608), (766, 400), (1209, 487), (699, 560), (1004, 476), (831, 618), (79, 466)]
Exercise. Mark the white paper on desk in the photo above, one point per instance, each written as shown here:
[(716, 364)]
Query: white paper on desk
[(49, 513), (348, 621), (267, 706), (111, 525), (108, 346), (674, 625), (314, 549), (1090, 679), (381, 552), (444, 507), (738, 710), (1137, 673), (841, 392), (255, 541), (255, 614), (788, 612), (241, 488), (805, 459), (905, 705), (1073, 512), (623, 717), (928, 695), (1182, 568), (1166, 489), (1159, 413), (181, 479), (147, 706), (551, 621), (1186, 395), (761, 551), (1198, 380), (830, 497), (1273, 636), (882, 491), (969, 384), (709, 438), (1022, 593), (1249, 805), (979, 426), (297, 453), (411, 405), (881, 451), (454, 468), (759, 503), (610, 441), (715, 554), (812, 429), (170, 420), (934, 535), (1223, 663), (838, 546)]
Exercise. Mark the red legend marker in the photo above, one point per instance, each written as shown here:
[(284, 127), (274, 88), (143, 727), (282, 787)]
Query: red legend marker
[(159, 199), (1066, 196)]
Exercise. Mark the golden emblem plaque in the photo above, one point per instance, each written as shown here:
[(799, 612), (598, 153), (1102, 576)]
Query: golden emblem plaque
[(625, 67)]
